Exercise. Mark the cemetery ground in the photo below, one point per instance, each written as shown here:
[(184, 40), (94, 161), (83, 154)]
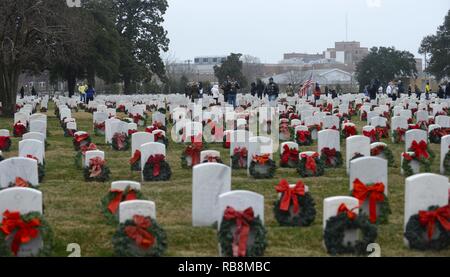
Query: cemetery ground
[(72, 206)]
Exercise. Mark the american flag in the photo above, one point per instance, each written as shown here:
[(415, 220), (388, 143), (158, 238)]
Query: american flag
[(306, 85)]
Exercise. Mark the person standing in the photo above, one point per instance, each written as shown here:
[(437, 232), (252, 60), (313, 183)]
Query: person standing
[(22, 92), (215, 93), (234, 87), (226, 87), (290, 90), (253, 88), (317, 93), (90, 93), (33, 91), (417, 90), (82, 91), (401, 89), (389, 90), (427, 90), (375, 85), (447, 90), (409, 91), (441, 91), (260, 88), (272, 90)]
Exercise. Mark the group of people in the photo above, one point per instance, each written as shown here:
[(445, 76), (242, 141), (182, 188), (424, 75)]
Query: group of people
[(87, 93), (22, 92)]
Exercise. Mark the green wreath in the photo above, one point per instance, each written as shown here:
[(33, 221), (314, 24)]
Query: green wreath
[(114, 218), (77, 145), (235, 162), (271, 169), (307, 142), (164, 174), (45, 232), (41, 171), (388, 155), (335, 231), (7, 146), (124, 246), (415, 233), (425, 163), (305, 217), (446, 164), (385, 210), (257, 230), (337, 160), (126, 144), (102, 178), (136, 166), (397, 137), (320, 168)]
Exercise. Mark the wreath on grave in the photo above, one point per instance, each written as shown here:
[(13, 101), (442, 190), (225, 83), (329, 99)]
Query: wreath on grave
[(437, 134), (241, 234), (121, 109), (374, 194), (262, 167), (19, 129), (69, 133), (421, 229), (286, 131), (295, 207), (357, 155), (347, 220), (140, 237), (193, 151), (41, 167), (372, 134), (120, 142), (97, 171), (239, 158), (381, 149), (80, 141), (111, 202), (383, 132), (135, 161), (22, 183), (446, 163), (364, 116), (79, 154), (304, 138), (348, 131), (289, 157), (157, 169), (421, 153), (156, 126), (226, 141), (316, 127), (99, 128), (139, 119), (399, 135), (331, 158), (5, 143), (16, 229), (310, 165), (212, 159)]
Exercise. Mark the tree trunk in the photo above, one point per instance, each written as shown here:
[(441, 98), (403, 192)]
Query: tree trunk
[(8, 90), (127, 85), (91, 77)]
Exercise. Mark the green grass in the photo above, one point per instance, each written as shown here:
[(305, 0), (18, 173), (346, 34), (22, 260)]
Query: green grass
[(72, 206)]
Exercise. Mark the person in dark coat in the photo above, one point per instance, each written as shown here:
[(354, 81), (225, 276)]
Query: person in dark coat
[(22, 92), (375, 84), (33, 91), (90, 92), (226, 87), (409, 91), (447, 90), (441, 92), (401, 89), (272, 90), (418, 92), (260, 88), (253, 89)]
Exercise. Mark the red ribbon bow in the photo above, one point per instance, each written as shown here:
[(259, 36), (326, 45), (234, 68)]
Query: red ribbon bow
[(113, 206), (90, 147), (290, 194), (136, 157), (311, 164), (429, 218), (289, 154), (375, 193), (302, 136), (130, 132), (139, 233), (96, 165), (156, 162), (211, 159), (330, 154), (420, 149), (243, 154), (25, 231), (240, 236), (120, 140), (158, 136), (4, 142), (349, 130), (32, 157), (19, 129), (344, 209), (100, 126), (193, 151), (22, 183), (377, 150), (261, 159), (80, 138)]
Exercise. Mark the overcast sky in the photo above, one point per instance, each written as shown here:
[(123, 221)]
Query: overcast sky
[(267, 29)]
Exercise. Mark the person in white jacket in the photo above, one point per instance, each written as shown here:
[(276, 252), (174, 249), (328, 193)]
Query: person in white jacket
[(389, 90), (215, 92)]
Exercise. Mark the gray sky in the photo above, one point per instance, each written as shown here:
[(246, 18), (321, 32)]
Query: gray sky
[(267, 29)]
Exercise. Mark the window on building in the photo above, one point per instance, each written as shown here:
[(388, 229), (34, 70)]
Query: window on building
[(196, 60), (205, 60), (214, 60)]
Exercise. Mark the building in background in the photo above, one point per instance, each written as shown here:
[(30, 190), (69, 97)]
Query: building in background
[(347, 52)]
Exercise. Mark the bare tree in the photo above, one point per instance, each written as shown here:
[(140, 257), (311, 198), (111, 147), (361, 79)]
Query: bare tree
[(251, 67), (296, 77)]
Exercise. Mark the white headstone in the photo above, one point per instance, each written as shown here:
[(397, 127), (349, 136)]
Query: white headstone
[(128, 209), (24, 168), (356, 144), (241, 200)]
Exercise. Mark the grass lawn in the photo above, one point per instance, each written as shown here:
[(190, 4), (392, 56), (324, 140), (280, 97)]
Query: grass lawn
[(72, 206)]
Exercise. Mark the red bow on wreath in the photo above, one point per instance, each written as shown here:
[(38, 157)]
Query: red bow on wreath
[(243, 154), (131, 132), (90, 147), (311, 164), (349, 130), (382, 132), (4, 142), (344, 209), (19, 128), (211, 159), (193, 151), (429, 218), (330, 154), (139, 232), (375, 193), (156, 162), (377, 150), (100, 126), (96, 165), (302, 136), (24, 231), (401, 133), (420, 149), (22, 183), (113, 206), (289, 154), (120, 140), (290, 194), (261, 159), (240, 236), (80, 138), (136, 118), (228, 140), (136, 157), (158, 136)]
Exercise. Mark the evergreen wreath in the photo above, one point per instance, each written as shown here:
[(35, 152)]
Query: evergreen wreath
[(416, 230), (79, 141), (239, 159), (335, 231), (115, 142), (38, 223), (381, 149), (307, 172), (303, 138), (257, 231), (384, 206), (125, 195), (306, 207), (331, 158), (446, 163), (149, 172), (5, 143), (398, 135), (263, 169), (140, 237), (102, 177)]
